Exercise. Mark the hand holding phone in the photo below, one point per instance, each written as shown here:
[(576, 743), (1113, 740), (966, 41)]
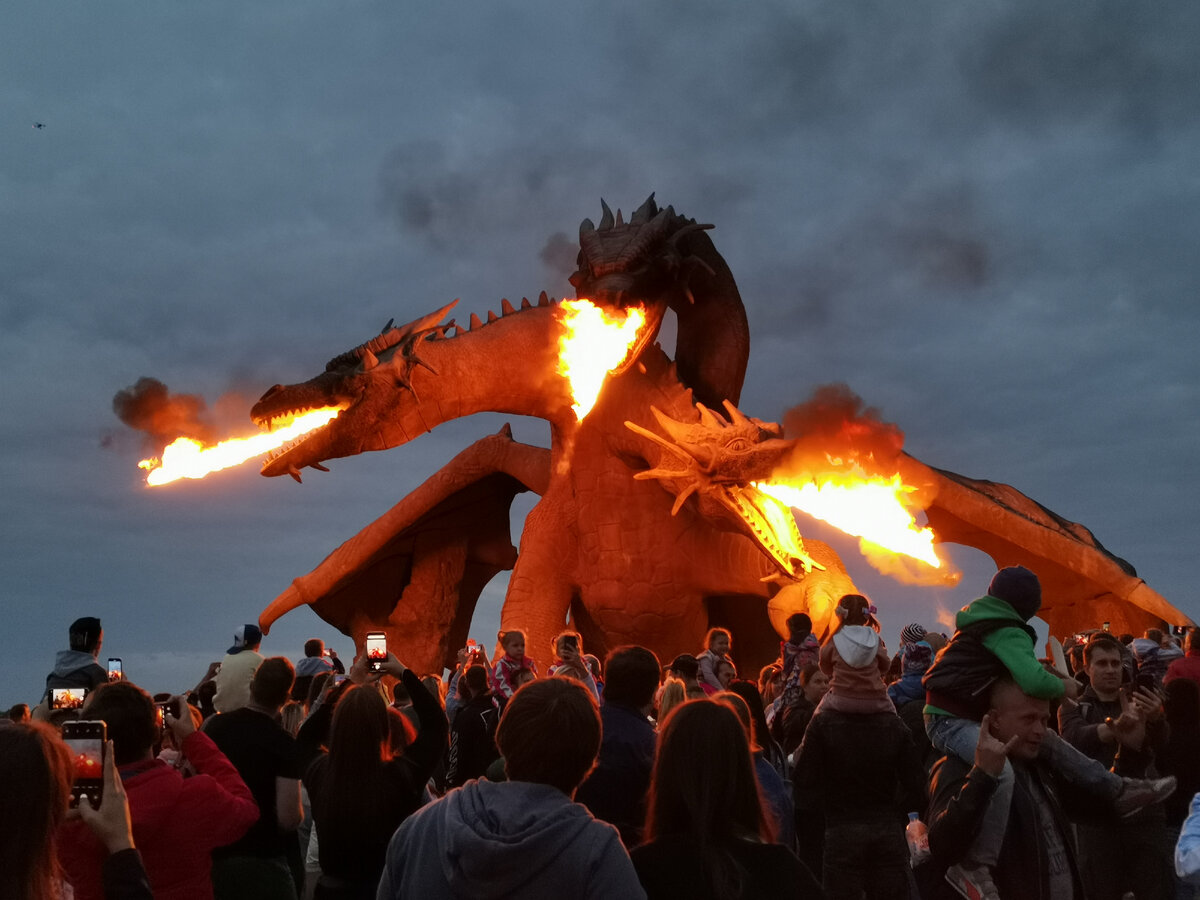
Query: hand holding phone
[(67, 698), (109, 819), (116, 671), (87, 741), (377, 651)]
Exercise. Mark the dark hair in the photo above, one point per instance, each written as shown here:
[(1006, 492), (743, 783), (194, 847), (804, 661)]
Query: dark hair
[(857, 609), (204, 698), (315, 687), (400, 692), (742, 711), (129, 713), (631, 676), (1154, 634), (35, 783), (1101, 640), (748, 691), (84, 634), (799, 622), (19, 712), (807, 673), (686, 665), (359, 744), (550, 733), (703, 789), (476, 678), (272, 682), (314, 647)]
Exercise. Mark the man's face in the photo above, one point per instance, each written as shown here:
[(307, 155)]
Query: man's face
[(1016, 715), (724, 674), (1104, 672)]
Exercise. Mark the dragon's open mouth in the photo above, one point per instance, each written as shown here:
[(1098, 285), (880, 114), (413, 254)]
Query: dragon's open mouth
[(771, 525)]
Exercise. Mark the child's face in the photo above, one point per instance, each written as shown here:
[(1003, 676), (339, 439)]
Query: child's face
[(720, 645), (567, 650), (515, 647)]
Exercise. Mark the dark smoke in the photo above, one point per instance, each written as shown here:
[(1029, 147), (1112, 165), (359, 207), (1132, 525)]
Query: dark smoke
[(149, 407), (835, 424), (560, 254)]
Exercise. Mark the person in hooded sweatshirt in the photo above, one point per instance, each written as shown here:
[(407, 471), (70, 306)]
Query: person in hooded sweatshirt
[(77, 667), (524, 837), (855, 659)]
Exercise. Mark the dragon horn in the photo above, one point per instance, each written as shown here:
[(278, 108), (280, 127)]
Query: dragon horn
[(690, 488), (735, 414), (708, 418), (586, 227), (606, 220), (662, 442), (676, 430), (645, 212), (430, 320)]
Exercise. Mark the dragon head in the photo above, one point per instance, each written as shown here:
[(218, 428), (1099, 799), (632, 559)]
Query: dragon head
[(642, 261), (716, 460), (367, 383)]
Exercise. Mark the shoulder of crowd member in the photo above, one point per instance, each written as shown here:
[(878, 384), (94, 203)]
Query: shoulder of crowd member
[(958, 799)]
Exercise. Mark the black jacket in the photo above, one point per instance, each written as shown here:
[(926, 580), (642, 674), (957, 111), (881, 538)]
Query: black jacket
[(472, 740), (958, 798)]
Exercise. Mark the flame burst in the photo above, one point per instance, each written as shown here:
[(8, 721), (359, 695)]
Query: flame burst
[(870, 508), (594, 343), (186, 458)]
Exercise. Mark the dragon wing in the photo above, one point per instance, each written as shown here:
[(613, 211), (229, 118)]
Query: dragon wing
[(1083, 584), (417, 571)]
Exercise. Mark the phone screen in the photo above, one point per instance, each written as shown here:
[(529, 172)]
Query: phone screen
[(115, 672), (67, 698), (376, 651), (86, 743)]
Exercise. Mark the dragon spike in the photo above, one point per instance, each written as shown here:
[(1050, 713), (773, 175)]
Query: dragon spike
[(525, 303), (620, 221), (677, 430), (475, 323), (492, 317), (543, 300), (665, 444), (688, 489), (690, 228), (606, 220), (387, 326), (505, 430), (506, 307), (708, 418), (426, 322), (420, 362), (645, 212), (735, 415), (369, 359), (295, 473), (586, 227), (317, 465)]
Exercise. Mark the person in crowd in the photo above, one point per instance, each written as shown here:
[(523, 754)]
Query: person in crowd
[(597, 671), (1187, 850), (76, 667), (19, 714), (708, 835), (291, 717), (792, 721), (862, 772), (1181, 758), (1124, 732), (361, 790), (670, 696), (1038, 859), (511, 664), (568, 661), (717, 644), (473, 734), (1154, 653), (915, 660), (176, 822), (35, 793), (726, 672), (237, 669), (265, 862), (686, 668), (761, 736), (470, 655), (317, 661), (772, 787), (855, 659), (615, 791), (1188, 666), (770, 682), (994, 640), (523, 837)]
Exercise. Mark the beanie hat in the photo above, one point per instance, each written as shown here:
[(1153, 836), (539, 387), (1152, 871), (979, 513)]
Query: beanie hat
[(84, 633), (916, 657), (245, 637), (910, 634), (1018, 587)]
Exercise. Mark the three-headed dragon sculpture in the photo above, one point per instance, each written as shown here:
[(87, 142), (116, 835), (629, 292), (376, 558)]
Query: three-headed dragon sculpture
[(606, 548)]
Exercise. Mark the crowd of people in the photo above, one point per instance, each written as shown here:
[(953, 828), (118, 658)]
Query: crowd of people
[(957, 766)]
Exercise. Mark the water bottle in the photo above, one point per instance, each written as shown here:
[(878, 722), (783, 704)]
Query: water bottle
[(917, 836)]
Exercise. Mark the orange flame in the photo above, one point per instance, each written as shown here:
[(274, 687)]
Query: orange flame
[(595, 342), (871, 508), (186, 458)]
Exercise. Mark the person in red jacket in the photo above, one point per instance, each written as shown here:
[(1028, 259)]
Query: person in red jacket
[(1188, 666), (176, 821)]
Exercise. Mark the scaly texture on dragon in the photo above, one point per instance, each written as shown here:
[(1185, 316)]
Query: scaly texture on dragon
[(604, 547)]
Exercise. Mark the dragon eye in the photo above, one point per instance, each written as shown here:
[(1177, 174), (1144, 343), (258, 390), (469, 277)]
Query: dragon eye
[(737, 445)]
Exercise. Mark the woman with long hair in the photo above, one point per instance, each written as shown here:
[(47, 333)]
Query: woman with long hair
[(361, 789), (707, 835)]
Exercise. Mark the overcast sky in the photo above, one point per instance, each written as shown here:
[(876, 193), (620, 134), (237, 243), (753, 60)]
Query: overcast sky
[(981, 217)]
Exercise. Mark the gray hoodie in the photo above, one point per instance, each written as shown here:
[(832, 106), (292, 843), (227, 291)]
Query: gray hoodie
[(75, 668), (510, 839)]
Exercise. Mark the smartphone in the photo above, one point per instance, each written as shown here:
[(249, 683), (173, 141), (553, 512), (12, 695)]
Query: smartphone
[(162, 707), (1107, 626), (115, 672), (1144, 681), (1179, 630), (376, 651), (86, 742), (67, 698)]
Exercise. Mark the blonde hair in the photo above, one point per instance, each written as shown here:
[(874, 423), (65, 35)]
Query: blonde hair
[(673, 693)]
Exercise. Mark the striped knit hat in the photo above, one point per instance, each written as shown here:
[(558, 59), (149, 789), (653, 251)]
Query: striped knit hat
[(910, 634)]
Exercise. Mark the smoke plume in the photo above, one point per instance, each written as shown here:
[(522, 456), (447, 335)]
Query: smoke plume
[(834, 429), (148, 406)]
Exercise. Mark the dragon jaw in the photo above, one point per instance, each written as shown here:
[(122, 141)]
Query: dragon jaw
[(716, 460)]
